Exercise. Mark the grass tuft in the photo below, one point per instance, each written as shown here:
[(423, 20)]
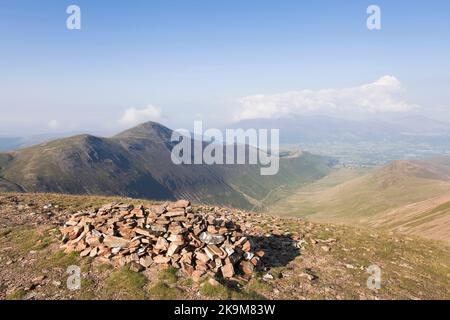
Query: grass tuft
[(169, 275), (18, 294), (125, 284), (162, 291), (214, 292)]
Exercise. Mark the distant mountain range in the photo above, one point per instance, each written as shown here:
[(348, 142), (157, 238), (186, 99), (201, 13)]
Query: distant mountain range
[(319, 129), (137, 163), (313, 129)]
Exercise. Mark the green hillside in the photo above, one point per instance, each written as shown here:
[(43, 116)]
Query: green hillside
[(384, 198)]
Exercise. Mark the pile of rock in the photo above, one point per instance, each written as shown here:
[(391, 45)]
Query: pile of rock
[(172, 234)]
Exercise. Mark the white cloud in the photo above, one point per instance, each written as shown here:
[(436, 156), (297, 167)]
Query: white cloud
[(133, 116), (54, 124), (383, 95)]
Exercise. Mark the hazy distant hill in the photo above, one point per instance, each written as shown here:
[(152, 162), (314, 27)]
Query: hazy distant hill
[(319, 129), (15, 143), (137, 163), (9, 143)]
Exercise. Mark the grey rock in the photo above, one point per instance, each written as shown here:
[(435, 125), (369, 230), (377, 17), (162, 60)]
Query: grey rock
[(210, 238)]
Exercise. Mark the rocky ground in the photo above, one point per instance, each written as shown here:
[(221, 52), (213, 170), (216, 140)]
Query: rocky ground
[(302, 260)]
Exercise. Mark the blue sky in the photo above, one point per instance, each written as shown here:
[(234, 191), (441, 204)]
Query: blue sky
[(200, 59)]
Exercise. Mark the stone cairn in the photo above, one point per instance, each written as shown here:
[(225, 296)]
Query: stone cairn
[(171, 234)]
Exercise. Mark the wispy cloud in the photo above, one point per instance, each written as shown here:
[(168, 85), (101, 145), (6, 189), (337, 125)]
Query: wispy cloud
[(54, 124), (133, 116), (384, 95)]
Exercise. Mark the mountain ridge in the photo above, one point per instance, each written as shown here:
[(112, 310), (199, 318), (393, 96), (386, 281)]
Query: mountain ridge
[(137, 163)]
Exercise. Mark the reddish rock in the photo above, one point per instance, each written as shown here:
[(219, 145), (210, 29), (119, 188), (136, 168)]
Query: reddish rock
[(93, 252), (259, 253), (176, 238), (161, 244), (113, 242), (136, 267), (247, 267), (173, 248), (85, 252), (180, 204), (227, 270), (172, 214), (202, 257), (143, 232), (246, 246), (159, 259)]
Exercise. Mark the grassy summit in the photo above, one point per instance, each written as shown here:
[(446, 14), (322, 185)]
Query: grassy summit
[(329, 261)]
